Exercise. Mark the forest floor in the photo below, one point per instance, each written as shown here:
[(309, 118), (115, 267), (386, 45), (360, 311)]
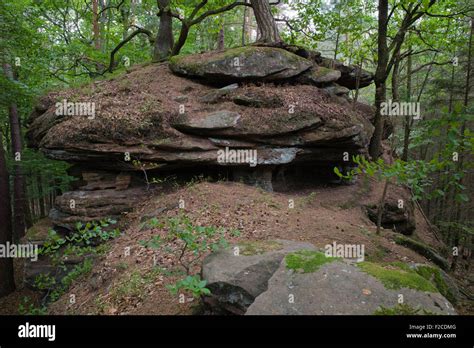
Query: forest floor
[(132, 284)]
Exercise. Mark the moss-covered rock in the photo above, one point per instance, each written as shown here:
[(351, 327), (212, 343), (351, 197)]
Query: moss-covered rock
[(307, 261), (241, 64), (424, 250), (441, 280), (393, 276), (248, 248)]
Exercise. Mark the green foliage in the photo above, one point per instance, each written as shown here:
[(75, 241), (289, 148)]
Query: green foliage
[(193, 242), (66, 282), (27, 307), (86, 235), (192, 284), (44, 282), (133, 285)]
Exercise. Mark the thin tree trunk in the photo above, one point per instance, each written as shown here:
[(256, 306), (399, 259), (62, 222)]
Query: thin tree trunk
[(183, 36), (460, 164), (95, 24), (42, 202), (375, 147), (7, 280), (395, 78), (406, 138), (246, 25), (18, 185), (221, 39), (381, 207)]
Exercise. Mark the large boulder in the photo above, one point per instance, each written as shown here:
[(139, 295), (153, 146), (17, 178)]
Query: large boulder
[(236, 276), (154, 122), (250, 63), (320, 76), (351, 76), (340, 288), (292, 278)]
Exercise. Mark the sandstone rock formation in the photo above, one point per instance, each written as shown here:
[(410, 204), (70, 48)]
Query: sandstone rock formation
[(152, 123), (288, 278)]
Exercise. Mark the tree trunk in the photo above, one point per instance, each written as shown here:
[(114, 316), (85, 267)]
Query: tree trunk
[(221, 39), (95, 24), (164, 40), (406, 138), (381, 207), (375, 147), (7, 281), (266, 23), (395, 78), (42, 203), (246, 25), (460, 164), (183, 36), (18, 185)]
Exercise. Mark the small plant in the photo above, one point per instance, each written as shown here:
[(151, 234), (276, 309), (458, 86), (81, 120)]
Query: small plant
[(44, 282), (193, 242), (85, 235), (193, 284), (66, 282), (26, 307)]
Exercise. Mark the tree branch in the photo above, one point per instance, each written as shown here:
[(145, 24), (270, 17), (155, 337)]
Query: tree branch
[(111, 6), (123, 42), (217, 11)]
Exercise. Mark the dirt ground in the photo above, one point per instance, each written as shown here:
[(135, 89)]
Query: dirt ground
[(126, 281)]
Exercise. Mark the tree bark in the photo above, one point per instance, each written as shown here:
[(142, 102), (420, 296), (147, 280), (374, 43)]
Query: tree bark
[(18, 185), (406, 138), (183, 36), (381, 207), (246, 25), (41, 200), (460, 164), (375, 147), (95, 24), (221, 39), (7, 281), (164, 39), (266, 23)]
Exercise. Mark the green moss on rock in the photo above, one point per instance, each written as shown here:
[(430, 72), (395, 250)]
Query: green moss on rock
[(258, 247), (307, 261), (424, 250), (394, 277), (434, 276)]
